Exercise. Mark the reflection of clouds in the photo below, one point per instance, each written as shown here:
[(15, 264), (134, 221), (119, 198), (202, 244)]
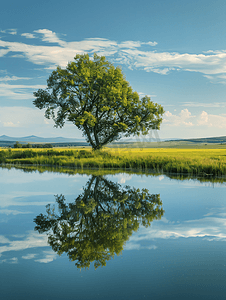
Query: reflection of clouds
[(49, 256), (123, 177), (13, 212), (133, 246), (18, 176), (13, 260), (15, 199), (29, 256), (216, 211), (212, 228), (32, 240), (4, 240)]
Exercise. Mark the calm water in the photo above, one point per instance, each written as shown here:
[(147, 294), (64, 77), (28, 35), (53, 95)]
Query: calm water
[(170, 237)]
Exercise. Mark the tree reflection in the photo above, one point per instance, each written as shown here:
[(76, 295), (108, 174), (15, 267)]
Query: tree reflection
[(97, 224)]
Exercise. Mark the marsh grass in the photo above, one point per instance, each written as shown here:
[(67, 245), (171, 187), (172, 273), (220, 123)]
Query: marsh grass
[(184, 161)]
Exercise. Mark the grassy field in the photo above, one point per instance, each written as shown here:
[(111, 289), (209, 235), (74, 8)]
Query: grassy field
[(202, 162)]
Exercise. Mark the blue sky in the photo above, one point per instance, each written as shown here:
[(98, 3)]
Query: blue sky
[(172, 50)]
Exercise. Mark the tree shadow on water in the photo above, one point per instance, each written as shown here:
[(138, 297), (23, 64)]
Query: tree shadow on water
[(97, 224)]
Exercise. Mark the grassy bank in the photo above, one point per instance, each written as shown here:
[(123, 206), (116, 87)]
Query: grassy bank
[(186, 161), (103, 172)]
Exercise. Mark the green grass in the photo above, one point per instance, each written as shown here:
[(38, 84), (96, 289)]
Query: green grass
[(171, 160)]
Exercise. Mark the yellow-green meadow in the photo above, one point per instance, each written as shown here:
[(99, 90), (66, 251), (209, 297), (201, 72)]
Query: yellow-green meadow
[(171, 160)]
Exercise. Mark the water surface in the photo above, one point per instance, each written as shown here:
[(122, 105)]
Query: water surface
[(139, 237)]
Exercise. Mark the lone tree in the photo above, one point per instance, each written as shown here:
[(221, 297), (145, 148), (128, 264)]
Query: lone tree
[(95, 96)]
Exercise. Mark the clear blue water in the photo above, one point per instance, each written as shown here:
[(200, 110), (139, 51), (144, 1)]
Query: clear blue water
[(180, 256)]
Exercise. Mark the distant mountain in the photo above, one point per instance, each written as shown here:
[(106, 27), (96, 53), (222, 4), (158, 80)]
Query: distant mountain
[(7, 140), (219, 140), (36, 139)]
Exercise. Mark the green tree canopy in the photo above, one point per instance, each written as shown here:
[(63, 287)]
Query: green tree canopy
[(95, 96), (97, 224)]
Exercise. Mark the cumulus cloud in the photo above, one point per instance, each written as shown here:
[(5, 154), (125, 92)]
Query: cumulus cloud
[(185, 118), (204, 119), (210, 120), (134, 54)]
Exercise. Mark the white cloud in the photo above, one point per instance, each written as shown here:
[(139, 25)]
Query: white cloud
[(13, 78), (151, 43), (141, 94), (12, 31), (177, 120), (50, 36), (212, 64), (185, 118), (28, 35), (9, 31), (204, 119), (17, 91), (3, 52), (4, 240), (210, 120)]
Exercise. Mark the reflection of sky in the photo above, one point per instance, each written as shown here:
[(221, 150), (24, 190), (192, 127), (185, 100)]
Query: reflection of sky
[(211, 227), (192, 210), (24, 196)]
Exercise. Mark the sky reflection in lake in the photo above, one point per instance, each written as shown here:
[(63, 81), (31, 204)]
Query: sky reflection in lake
[(181, 255)]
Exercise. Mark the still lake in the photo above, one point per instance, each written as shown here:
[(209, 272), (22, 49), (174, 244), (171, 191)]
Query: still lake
[(120, 237)]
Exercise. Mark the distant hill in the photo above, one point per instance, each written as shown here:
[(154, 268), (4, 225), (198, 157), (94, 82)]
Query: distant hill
[(36, 139), (219, 140), (7, 141)]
